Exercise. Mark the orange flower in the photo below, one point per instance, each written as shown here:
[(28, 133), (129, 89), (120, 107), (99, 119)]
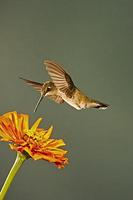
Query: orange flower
[(34, 141)]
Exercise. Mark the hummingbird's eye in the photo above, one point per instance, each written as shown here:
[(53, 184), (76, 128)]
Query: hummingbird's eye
[(48, 88)]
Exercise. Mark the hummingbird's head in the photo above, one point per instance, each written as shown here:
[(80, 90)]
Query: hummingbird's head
[(48, 88)]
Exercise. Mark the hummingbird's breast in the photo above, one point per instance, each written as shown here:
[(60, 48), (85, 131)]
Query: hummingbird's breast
[(78, 100)]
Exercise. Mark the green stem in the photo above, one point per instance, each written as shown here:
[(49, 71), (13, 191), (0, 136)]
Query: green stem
[(17, 164)]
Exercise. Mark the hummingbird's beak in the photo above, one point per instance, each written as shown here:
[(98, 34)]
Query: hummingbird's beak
[(39, 101), (43, 93)]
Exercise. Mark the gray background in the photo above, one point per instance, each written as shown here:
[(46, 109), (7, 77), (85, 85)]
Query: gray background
[(93, 40)]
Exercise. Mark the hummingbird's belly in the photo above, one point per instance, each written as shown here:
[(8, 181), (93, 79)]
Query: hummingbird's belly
[(72, 101)]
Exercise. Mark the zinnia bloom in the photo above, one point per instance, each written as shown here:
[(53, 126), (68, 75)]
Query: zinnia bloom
[(34, 141)]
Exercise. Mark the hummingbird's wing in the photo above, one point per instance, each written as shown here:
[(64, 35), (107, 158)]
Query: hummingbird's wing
[(56, 98), (61, 79), (36, 85)]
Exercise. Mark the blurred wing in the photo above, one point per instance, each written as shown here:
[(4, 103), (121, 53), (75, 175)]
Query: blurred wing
[(61, 79), (56, 98), (36, 85)]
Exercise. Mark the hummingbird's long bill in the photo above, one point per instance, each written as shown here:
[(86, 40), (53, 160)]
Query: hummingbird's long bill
[(39, 101)]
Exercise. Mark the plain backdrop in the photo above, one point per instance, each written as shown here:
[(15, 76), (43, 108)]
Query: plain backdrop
[(93, 40)]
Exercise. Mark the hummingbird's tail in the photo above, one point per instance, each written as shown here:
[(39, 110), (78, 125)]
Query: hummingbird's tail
[(36, 85), (39, 101), (98, 105)]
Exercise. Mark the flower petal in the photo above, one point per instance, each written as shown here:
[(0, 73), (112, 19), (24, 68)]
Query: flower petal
[(47, 134), (35, 125)]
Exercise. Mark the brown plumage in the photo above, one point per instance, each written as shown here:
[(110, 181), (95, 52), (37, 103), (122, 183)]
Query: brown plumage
[(68, 91), (61, 88)]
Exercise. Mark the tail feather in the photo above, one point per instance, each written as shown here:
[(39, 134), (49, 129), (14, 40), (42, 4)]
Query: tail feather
[(100, 105), (36, 85)]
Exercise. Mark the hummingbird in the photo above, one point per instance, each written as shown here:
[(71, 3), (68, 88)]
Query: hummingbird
[(62, 89)]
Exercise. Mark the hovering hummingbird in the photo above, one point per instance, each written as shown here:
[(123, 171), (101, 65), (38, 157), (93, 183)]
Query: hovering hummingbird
[(62, 89)]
